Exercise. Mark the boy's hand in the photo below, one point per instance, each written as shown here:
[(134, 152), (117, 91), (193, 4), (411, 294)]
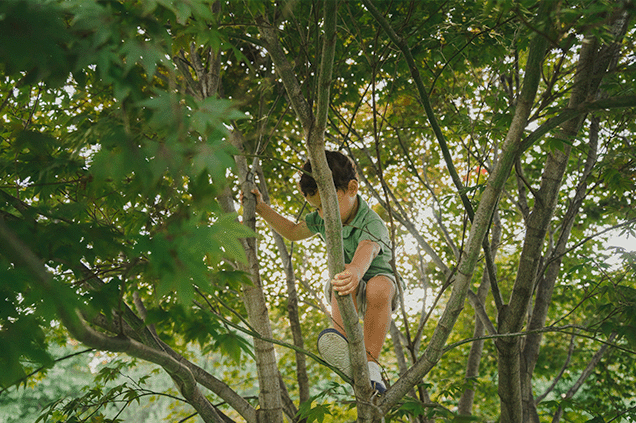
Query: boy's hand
[(347, 282), (257, 194)]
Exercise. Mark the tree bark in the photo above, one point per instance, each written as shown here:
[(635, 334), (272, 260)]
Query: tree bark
[(292, 304), (474, 356), (512, 320), (547, 282), (270, 410), (587, 84)]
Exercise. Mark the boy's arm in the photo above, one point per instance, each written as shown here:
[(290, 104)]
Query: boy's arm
[(288, 229), (285, 227), (347, 282)]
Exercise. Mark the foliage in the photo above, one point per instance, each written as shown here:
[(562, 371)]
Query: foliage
[(112, 170), (97, 385)]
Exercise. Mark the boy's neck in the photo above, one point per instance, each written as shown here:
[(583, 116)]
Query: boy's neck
[(353, 213)]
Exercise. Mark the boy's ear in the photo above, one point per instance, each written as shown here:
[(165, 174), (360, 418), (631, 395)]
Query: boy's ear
[(353, 186)]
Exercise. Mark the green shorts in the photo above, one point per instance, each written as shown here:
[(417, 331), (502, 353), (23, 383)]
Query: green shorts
[(361, 297)]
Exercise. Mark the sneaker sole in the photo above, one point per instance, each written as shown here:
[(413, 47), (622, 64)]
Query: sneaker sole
[(334, 349)]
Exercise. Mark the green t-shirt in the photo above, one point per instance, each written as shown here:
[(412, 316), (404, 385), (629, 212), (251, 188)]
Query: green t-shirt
[(366, 225)]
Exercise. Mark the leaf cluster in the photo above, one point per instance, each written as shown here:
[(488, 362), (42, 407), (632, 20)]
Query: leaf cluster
[(108, 173)]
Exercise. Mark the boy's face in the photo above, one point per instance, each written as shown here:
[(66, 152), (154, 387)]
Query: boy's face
[(346, 199)]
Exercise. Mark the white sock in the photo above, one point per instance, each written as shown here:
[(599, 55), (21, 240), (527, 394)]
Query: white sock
[(374, 371)]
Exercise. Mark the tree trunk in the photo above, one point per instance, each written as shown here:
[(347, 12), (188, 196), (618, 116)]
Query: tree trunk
[(474, 357), (547, 282), (292, 303), (592, 73), (270, 410), (270, 402)]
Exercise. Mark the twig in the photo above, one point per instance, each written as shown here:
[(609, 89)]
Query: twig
[(562, 329)]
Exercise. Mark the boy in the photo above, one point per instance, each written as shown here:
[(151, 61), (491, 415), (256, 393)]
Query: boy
[(367, 275)]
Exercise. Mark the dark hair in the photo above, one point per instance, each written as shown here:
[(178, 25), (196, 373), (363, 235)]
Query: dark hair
[(342, 168)]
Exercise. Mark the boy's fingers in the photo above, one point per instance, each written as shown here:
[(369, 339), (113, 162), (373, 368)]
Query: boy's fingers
[(345, 292), (344, 288), (340, 280), (341, 289), (343, 275)]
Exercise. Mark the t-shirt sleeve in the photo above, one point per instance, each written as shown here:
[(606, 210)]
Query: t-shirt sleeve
[(314, 222), (375, 230)]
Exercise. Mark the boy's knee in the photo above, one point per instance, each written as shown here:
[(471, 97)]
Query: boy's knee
[(380, 290)]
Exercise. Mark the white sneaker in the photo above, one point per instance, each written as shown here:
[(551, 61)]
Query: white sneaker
[(376, 377), (334, 349)]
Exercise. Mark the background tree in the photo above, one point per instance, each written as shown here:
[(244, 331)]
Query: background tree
[(494, 138)]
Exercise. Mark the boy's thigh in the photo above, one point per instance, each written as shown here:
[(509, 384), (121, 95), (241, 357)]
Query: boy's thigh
[(384, 281)]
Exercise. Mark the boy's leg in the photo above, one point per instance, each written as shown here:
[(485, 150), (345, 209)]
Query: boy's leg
[(377, 317), (378, 298), (336, 317)]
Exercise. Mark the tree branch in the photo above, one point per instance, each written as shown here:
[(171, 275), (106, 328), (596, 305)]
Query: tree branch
[(326, 65), (423, 96), (287, 75), (271, 392), (628, 101)]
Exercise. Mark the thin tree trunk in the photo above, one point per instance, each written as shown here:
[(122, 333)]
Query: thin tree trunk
[(270, 410), (466, 401), (547, 282), (270, 403), (606, 61), (314, 128), (292, 304), (512, 320)]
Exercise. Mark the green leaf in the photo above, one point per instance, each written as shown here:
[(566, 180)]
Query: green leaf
[(314, 414), (233, 345)]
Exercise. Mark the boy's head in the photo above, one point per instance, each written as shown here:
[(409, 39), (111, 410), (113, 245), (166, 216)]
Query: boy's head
[(342, 169)]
